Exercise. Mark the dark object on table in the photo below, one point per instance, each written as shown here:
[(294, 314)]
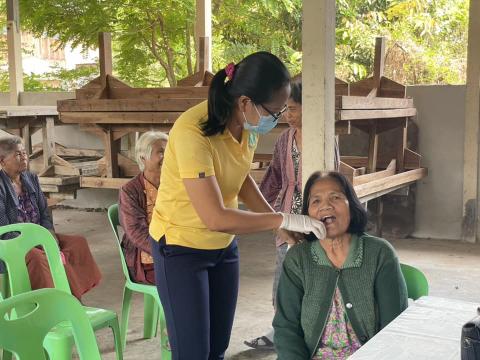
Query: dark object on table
[(470, 341)]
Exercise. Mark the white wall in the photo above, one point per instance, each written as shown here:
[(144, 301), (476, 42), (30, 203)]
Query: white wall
[(440, 120)]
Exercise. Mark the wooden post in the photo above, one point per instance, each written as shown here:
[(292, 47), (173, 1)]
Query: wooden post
[(48, 143), (203, 54), (318, 77), (25, 131), (470, 226), (111, 153), (372, 148), (403, 131), (14, 44), (203, 33), (379, 61), (105, 56)]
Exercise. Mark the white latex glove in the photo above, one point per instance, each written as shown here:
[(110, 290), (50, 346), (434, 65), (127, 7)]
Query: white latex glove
[(304, 224)]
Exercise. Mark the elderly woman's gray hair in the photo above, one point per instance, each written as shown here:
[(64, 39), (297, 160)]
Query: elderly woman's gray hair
[(8, 144), (143, 148)]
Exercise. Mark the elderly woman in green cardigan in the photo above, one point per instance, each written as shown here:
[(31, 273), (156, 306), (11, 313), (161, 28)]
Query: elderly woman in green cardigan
[(336, 293)]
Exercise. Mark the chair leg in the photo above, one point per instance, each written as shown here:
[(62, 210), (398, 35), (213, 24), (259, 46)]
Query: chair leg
[(117, 337), (127, 298), (60, 350), (150, 317), (166, 353)]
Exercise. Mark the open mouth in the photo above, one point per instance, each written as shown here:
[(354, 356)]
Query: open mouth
[(329, 219)]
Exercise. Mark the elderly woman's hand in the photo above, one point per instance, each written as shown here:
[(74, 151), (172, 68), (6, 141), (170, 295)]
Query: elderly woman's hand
[(289, 237)]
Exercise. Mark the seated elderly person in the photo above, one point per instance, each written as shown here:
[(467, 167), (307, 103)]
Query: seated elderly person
[(136, 204), (336, 293), (22, 200)]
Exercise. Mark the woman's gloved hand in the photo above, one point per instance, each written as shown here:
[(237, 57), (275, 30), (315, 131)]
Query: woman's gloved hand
[(304, 224)]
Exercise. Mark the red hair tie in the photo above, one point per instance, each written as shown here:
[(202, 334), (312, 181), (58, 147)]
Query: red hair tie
[(230, 70)]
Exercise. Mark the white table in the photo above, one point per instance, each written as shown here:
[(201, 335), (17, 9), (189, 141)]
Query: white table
[(429, 329)]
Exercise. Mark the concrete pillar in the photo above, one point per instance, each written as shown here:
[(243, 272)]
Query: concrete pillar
[(14, 44), (203, 34), (318, 78), (470, 228)]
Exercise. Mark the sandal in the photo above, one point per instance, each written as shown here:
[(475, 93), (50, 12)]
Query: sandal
[(261, 342)]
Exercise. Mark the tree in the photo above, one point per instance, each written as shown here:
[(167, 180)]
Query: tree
[(154, 41)]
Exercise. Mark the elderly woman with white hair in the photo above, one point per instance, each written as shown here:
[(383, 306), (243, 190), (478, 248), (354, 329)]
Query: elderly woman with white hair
[(136, 203)]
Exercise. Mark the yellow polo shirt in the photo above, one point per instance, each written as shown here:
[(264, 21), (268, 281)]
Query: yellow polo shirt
[(190, 155)]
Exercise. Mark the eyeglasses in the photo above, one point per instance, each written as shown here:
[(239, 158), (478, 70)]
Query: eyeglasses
[(277, 115)]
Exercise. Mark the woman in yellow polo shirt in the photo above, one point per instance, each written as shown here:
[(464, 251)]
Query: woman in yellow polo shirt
[(205, 170)]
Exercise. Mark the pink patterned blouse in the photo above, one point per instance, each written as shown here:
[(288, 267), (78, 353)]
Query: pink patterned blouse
[(338, 339)]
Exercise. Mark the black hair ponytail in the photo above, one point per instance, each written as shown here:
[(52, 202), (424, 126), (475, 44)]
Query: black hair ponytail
[(220, 104), (257, 76)]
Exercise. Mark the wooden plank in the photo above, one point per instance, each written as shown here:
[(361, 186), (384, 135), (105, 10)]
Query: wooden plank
[(192, 80), (347, 170), (390, 88), (65, 170), (48, 141), (156, 93), (257, 175), (207, 78), (92, 93), (389, 182), (114, 82), (362, 102), (57, 197), (59, 188), (93, 84), (342, 115), (343, 128), (127, 166), (362, 87), (146, 117), (27, 111), (355, 161), (124, 105), (67, 180), (363, 179), (412, 159), (102, 183)]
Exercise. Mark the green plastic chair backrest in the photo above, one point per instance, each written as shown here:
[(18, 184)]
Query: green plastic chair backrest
[(13, 252), (24, 335), (114, 223), (417, 283)]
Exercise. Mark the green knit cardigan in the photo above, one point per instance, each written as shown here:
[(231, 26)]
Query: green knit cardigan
[(371, 283)]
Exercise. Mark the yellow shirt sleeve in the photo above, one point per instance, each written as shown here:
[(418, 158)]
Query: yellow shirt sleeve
[(193, 153)]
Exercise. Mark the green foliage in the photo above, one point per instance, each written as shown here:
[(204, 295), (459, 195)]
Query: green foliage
[(154, 43)]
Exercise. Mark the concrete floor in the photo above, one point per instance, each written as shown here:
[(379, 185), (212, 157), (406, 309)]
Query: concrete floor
[(452, 269)]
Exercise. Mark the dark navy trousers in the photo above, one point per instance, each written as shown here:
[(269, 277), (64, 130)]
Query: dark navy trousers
[(198, 290)]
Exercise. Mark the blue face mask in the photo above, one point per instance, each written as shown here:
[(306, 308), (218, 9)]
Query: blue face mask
[(264, 126)]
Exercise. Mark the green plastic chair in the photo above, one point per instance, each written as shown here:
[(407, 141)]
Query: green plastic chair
[(152, 307), (417, 283), (60, 340), (24, 335)]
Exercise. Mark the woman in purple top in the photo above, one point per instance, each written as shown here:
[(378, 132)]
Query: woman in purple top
[(282, 185), (22, 201)]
